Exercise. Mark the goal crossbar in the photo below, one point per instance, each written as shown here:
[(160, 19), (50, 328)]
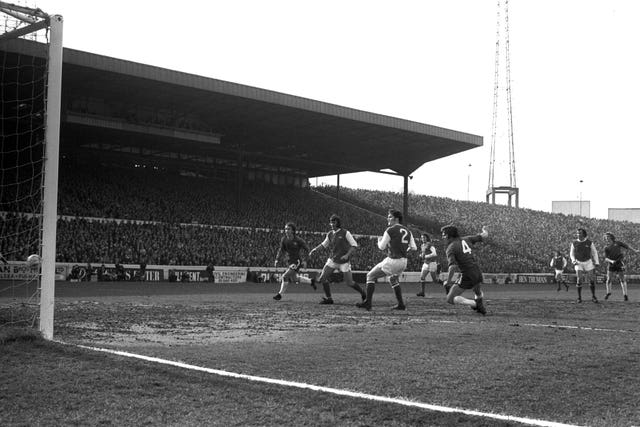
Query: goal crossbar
[(21, 12), (23, 31)]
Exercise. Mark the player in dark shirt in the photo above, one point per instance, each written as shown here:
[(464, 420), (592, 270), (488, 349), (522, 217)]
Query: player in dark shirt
[(292, 245), (460, 258), (614, 257), (397, 240)]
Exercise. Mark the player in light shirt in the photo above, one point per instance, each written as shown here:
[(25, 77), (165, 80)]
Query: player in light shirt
[(584, 258), (397, 241), (341, 244), (559, 263), (429, 256)]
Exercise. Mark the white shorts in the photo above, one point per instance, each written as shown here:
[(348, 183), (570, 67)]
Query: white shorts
[(559, 272), (393, 266), (584, 266), (429, 267), (344, 267)]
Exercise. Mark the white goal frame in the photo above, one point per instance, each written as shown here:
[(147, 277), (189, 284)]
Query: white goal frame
[(37, 20)]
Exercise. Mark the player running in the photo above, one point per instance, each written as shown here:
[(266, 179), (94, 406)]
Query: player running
[(397, 240), (460, 257), (341, 244), (430, 266), (292, 245), (614, 257), (559, 263)]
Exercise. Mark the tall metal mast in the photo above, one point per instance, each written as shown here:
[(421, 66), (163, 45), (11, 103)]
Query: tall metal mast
[(512, 189)]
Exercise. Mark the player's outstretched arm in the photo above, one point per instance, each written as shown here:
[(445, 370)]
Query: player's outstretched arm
[(324, 244), (594, 255), (485, 232)]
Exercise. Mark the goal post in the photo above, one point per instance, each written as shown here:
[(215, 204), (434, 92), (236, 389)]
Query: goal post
[(50, 191), (31, 78)]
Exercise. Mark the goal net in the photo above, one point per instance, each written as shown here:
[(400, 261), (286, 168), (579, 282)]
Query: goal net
[(30, 90)]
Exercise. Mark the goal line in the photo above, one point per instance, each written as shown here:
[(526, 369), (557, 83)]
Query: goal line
[(330, 390)]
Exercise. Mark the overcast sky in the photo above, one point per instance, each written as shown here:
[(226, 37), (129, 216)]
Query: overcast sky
[(574, 77)]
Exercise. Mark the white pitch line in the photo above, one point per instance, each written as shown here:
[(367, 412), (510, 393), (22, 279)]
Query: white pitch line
[(435, 408), (543, 325), (587, 328)]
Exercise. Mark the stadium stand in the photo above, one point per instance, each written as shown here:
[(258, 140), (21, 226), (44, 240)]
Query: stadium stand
[(130, 214), (82, 241), (147, 194), (522, 239)]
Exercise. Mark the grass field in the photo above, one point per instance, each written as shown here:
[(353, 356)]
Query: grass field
[(537, 358)]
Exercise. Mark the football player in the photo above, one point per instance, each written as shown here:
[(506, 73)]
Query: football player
[(559, 263), (429, 266), (584, 258), (614, 257), (460, 257), (341, 244), (397, 240), (292, 245)]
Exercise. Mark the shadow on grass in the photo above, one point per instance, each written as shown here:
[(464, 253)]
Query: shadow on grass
[(19, 334)]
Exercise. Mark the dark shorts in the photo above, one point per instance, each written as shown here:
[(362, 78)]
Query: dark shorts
[(616, 267), (295, 266), (470, 280)]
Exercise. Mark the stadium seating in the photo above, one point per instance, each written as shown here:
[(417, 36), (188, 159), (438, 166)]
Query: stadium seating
[(143, 194), (522, 240), (126, 213)]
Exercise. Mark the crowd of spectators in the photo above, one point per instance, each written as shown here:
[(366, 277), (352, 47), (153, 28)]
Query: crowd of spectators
[(82, 241), (522, 240), (146, 194), (19, 235), (137, 215)]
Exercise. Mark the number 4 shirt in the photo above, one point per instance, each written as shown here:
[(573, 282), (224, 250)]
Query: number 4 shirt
[(459, 253)]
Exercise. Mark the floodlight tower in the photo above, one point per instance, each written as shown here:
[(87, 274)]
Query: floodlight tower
[(502, 94)]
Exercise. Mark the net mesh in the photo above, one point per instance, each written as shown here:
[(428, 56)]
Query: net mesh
[(23, 80)]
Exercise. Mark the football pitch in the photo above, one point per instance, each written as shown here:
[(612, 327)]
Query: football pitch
[(222, 354)]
